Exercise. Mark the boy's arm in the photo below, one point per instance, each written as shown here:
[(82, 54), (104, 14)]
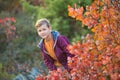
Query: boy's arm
[(63, 43), (49, 62)]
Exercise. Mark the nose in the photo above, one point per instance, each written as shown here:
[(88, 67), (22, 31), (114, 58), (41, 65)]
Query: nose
[(42, 32)]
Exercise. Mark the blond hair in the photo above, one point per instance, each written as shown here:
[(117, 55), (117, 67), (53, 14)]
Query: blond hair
[(41, 22)]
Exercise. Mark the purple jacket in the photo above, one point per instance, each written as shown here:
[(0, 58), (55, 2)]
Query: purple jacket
[(60, 44)]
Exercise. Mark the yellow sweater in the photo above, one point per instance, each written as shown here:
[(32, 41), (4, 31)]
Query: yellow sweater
[(49, 48)]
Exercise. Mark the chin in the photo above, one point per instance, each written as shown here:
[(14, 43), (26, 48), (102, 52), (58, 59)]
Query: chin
[(43, 37)]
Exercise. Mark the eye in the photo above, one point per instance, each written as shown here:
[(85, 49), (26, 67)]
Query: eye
[(39, 30)]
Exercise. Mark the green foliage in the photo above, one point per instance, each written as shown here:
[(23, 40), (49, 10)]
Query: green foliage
[(9, 5), (5, 75), (85, 2), (2, 41), (26, 42), (0, 66), (29, 9)]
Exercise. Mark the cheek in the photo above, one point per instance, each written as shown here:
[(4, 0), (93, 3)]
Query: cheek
[(47, 32), (39, 33)]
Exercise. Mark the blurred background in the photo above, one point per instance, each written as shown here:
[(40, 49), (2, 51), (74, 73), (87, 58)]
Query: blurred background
[(20, 57)]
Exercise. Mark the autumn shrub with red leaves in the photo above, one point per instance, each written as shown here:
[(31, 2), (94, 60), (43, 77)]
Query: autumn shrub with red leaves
[(7, 25), (97, 57), (55, 75), (92, 64)]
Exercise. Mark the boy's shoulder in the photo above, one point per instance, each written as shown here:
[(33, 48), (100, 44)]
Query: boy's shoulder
[(63, 37)]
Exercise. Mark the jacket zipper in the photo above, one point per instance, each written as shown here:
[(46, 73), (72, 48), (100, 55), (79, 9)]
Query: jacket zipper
[(54, 51)]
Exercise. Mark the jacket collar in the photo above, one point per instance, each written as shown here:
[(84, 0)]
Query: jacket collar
[(55, 35)]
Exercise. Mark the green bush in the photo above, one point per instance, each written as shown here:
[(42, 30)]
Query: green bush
[(5, 75)]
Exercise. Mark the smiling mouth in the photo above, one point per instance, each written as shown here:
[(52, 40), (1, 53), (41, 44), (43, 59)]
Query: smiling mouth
[(43, 35)]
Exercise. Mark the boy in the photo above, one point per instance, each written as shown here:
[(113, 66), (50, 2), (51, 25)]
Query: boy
[(53, 46)]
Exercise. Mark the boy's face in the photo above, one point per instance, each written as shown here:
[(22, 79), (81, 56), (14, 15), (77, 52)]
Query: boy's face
[(44, 31)]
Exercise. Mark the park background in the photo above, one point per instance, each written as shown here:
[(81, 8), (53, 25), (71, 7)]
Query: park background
[(19, 55)]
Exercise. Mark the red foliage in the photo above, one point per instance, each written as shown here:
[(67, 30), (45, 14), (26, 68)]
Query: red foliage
[(9, 28)]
